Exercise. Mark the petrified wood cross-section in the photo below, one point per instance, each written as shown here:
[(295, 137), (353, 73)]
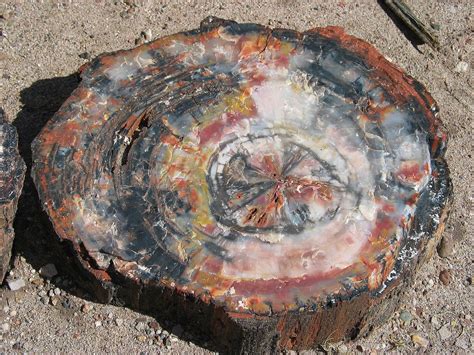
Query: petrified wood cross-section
[(277, 188), (12, 174)]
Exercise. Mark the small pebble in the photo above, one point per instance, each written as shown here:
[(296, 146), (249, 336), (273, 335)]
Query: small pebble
[(444, 332), (154, 325), (15, 285), (119, 322), (140, 326), (5, 327), (445, 277), (406, 316), (54, 301), (446, 246), (57, 291), (342, 349), (13, 313), (86, 308), (48, 271), (85, 55), (98, 323), (461, 67), (141, 338), (37, 282), (419, 340), (147, 35)]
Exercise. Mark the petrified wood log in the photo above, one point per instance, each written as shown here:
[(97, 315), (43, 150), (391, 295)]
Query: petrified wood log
[(12, 174), (277, 189)]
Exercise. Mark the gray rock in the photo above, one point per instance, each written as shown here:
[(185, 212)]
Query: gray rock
[(461, 67), (140, 326), (177, 330), (406, 316), (444, 332), (15, 285), (446, 246), (48, 271)]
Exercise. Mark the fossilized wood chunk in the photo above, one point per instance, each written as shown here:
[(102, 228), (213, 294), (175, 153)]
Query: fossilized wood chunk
[(12, 174), (276, 188)]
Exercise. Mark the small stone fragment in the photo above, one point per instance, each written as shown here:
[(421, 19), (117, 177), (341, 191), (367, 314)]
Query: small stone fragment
[(342, 349), (85, 55), (140, 326), (141, 338), (15, 285), (461, 67), (5, 327), (119, 322), (406, 316), (98, 323), (446, 246), (37, 282), (147, 35), (48, 271), (54, 300), (86, 308), (435, 26), (154, 325), (444, 332), (419, 340), (445, 277)]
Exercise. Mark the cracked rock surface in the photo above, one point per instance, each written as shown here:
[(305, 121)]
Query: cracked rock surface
[(285, 185), (12, 173)]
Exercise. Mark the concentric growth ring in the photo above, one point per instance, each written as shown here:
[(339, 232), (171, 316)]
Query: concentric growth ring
[(262, 171)]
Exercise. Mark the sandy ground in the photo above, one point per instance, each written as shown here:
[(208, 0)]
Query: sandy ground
[(43, 42)]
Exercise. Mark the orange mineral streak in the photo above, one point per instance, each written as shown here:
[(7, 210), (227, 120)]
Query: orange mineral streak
[(67, 136), (410, 172), (251, 46)]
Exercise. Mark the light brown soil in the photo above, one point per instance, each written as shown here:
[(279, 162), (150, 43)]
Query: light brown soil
[(40, 46)]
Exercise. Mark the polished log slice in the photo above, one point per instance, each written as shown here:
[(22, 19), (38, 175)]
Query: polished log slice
[(272, 188), (12, 174)]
